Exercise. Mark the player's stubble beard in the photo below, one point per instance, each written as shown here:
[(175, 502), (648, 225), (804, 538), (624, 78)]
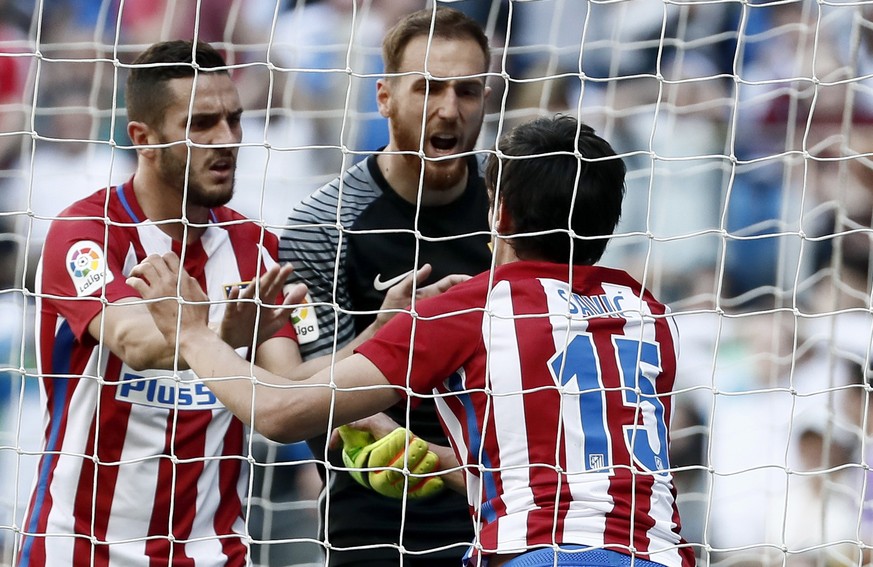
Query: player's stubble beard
[(173, 171), (444, 174), (439, 175)]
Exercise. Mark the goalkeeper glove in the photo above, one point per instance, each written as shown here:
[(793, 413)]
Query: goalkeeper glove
[(362, 451)]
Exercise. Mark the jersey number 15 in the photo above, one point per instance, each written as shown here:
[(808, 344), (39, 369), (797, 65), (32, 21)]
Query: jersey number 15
[(639, 364)]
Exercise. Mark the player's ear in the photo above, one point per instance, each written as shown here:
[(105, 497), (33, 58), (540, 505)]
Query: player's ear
[(383, 94), (503, 221), (140, 135)]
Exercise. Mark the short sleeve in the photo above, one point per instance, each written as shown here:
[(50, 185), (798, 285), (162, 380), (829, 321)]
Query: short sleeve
[(81, 267), (445, 332), (311, 244)]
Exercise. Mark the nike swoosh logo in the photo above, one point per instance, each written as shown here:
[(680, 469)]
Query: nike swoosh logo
[(379, 285)]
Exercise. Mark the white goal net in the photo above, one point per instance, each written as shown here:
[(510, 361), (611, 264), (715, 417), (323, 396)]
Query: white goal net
[(747, 129)]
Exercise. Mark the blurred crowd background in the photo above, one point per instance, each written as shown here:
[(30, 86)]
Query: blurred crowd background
[(746, 127)]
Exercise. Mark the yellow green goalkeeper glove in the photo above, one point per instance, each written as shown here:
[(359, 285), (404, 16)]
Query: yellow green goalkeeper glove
[(362, 451)]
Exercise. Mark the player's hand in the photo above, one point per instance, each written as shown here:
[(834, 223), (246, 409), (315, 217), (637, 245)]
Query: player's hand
[(162, 281), (379, 464), (378, 425), (399, 296), (252, 312)]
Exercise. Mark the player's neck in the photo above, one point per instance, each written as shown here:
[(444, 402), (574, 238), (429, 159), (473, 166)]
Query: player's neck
[(405, 181), (504, 253), (162, 203)]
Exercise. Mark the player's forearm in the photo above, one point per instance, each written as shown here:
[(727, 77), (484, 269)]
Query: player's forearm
[(149, 351), (316, 364), (130, 333), (265, 401), (242, 387)]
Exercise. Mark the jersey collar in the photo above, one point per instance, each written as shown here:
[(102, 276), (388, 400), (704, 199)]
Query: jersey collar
[(473, 180), (128, 200)]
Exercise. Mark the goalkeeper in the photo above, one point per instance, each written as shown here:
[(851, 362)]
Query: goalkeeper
[(427, 181), (558, 400)]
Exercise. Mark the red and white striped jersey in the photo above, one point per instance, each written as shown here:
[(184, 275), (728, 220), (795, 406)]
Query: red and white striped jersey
[(141, 467), (556, 397)]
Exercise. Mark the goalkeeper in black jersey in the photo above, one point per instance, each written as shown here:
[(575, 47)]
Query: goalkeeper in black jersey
[(410, 204)]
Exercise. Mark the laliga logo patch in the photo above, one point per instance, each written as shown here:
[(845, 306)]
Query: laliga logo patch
[(305, 322), (87, 267)]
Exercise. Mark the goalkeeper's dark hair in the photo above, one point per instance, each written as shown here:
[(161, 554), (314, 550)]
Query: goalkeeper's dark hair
[(146, 93), (562, 179), (447, 23)]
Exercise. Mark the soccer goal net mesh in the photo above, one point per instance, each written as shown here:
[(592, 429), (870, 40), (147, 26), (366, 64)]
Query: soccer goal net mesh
[(747, 129)]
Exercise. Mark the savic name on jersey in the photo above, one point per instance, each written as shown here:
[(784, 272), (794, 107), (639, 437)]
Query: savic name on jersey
[(155, 388), (593, 305)]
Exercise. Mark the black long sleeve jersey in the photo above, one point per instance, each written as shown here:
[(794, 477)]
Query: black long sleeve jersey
[(349, 241)]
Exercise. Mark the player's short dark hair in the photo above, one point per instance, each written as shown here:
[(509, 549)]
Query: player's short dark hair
[(561, 176), (447, 23), (146, 90)]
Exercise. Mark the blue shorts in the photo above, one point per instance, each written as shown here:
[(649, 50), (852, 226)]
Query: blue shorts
[(592, 558)]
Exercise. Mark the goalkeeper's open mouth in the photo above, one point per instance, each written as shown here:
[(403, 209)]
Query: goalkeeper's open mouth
[(443, 145)]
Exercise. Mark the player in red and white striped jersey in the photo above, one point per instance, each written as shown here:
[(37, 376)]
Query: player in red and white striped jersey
[(552, 376), (143, 465), (561, 419)]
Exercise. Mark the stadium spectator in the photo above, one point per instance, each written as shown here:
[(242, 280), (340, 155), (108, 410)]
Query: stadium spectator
[(317, 113), (68, 160), (819, 519), (629, 41), (13, 70), (760, 380), (789, 134), (553, 374), (221, 21), (650, 76), (354, 236), (136, 465), (859, 411)]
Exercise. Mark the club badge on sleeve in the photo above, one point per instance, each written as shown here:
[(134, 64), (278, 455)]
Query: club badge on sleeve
[(86, 265), (228, 287)]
